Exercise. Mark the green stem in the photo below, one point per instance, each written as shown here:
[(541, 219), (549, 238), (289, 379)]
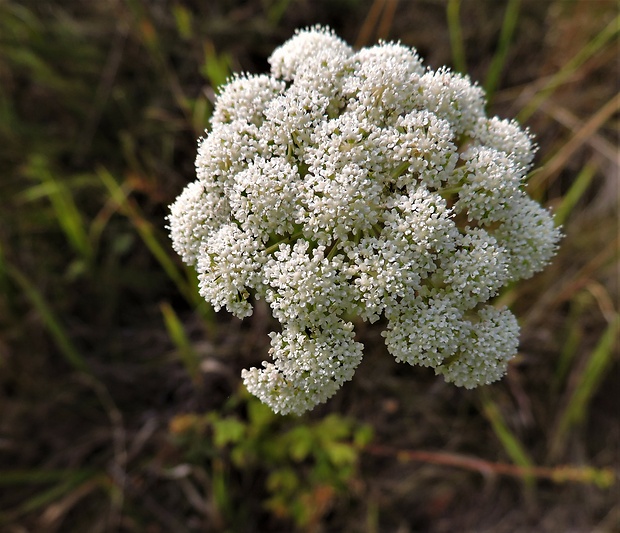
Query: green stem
[(275, 246)]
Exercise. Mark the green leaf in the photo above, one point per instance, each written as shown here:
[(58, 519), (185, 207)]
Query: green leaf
[(301, 443), (363, 436), (340, 453), (228, 430), (283, 480)]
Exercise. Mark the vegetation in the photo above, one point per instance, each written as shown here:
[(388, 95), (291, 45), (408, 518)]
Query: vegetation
[(120, 405)]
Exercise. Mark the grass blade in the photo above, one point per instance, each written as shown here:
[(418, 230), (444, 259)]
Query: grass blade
[(573, 335), (456, 36), (183, 20), (590, 378), (216, 67), (67, 213), (510, 442), (576, 191), (511, 16), (177, 334), (60, 336), (601, 39), (552, 167), (147, 233), (46, 497)]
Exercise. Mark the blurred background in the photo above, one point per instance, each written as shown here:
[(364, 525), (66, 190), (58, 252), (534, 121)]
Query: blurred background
[(120, 400)]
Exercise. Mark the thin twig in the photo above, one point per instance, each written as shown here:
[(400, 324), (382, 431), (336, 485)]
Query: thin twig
[(557, 474)]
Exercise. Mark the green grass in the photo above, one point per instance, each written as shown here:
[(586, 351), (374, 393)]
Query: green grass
[(599, 41), (185, 349), (511, 444), (588, 380), (498, 63), (120, 402), (456, 36), (52, 324)]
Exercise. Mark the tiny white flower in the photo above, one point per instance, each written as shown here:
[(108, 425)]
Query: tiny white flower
[(483, 355), (245, 98), (452, 97), (374, 88), (308, 368), (529, 236), (425, 331), (490, 184), (356, 183), (506, 136), (195, 214), (476, 270), (228, 269), (310, 49)]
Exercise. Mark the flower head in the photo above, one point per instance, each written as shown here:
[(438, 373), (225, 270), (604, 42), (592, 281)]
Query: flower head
[(352, 183)]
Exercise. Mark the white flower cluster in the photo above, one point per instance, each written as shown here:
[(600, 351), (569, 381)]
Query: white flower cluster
[(362, 184)]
